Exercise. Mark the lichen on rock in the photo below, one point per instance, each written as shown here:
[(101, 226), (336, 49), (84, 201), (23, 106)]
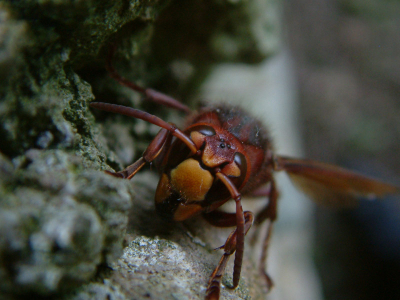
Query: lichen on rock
[(61, 218), (58, 222)]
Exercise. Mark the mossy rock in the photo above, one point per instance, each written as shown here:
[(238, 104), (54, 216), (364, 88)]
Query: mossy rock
[(62, 220)]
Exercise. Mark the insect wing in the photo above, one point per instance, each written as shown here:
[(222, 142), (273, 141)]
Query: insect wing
[(331, 185)]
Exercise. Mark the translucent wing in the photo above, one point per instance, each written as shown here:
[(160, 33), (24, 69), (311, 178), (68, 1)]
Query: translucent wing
[(331, 185)]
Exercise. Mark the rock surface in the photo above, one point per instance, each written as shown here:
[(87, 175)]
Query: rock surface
[(62, 220)]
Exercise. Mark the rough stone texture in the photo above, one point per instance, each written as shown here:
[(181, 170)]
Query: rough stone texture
[(62, 221), (58, 222), (164, 260)]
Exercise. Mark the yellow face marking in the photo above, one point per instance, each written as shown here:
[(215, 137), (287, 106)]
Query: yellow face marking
[(190, 180), (163, 189), (210, 158), (197, 138), (231, 169)]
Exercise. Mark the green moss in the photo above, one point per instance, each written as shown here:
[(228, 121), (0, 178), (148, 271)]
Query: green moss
[(60, 217)]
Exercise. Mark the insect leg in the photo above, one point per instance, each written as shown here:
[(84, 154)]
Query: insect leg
[(152, 152), (268, 214), (263, 191), (151, 94), (239, 226), (138, 114), (223, 219)]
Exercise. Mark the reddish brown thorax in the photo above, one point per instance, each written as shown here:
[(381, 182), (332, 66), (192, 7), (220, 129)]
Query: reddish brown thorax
[(223, 154), (227, 143)]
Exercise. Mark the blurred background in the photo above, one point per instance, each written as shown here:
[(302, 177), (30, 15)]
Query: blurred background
[(346, 55), (331, 95)]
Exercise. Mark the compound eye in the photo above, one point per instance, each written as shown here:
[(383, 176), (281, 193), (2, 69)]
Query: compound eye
[(199, 133), (241, 162), (205, 130)]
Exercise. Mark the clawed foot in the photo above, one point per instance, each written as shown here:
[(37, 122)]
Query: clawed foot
[(268, 281), (115, 174)]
